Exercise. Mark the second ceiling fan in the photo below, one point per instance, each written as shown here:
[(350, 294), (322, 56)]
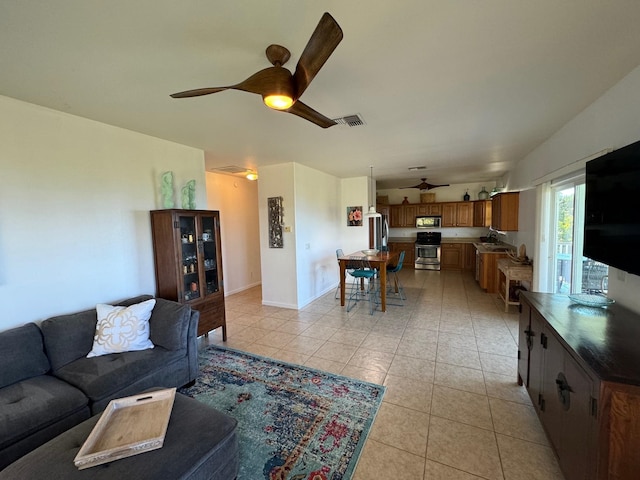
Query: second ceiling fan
[(425, 186), (279, 88)]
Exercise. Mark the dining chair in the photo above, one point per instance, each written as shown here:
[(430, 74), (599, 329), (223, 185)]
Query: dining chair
[(392, 271), (363, 272), (350, 268)]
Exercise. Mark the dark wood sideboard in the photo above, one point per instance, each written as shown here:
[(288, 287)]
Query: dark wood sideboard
[(581, 367)]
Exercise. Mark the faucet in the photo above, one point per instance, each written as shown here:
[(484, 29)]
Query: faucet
[(493, 235)]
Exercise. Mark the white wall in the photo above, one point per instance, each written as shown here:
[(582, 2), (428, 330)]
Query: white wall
[(315, 205), (75, 200), (612, 121), (237, 200)]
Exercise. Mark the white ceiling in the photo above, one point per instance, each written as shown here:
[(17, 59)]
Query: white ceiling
[(465, 87)]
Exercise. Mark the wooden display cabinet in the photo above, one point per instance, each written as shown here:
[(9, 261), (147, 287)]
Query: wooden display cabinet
[(188, 263)]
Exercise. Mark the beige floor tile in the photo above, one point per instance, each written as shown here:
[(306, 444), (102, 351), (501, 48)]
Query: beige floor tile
[(262, 350), (276, 339), (409, 393), (461, 378), (504, 365), (506, 387), (438, 471), (269, 323), (306, 345), (364, 374), (324, 364), (527, 461), (498, 346), (380, 461), (380, 343), (464, 407), (458, 356), (292, 326), (337, 352), (411, 367), (418, 348), (457, 341), (319, 331), (401, 428), (517, 420), (250, 334), (349, 337), (291, 357), (464, 447), (371, 360)]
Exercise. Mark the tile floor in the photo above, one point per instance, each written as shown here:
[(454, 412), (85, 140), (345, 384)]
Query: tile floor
[(452, 409)]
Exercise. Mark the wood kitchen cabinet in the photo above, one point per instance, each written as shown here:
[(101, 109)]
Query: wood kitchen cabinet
[(457, 214), (402, 216), (409, 252), (188, 263), (580, 367), (451, 256), (429, 209), (504, 211), (482, 213), (488, 274), (469, 256)]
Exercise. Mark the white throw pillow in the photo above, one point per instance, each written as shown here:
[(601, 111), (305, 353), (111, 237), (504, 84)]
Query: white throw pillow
[(122, 329)]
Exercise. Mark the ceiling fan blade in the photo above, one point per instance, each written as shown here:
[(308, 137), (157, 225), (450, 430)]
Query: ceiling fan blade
[(198, 92), (321, 45), (426, 186), (308, 113)]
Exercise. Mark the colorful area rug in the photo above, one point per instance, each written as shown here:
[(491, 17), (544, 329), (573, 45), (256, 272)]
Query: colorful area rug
[(294, 423)]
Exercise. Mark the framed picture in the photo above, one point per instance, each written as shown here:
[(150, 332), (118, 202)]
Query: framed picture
[(276, 220), (354, 216)]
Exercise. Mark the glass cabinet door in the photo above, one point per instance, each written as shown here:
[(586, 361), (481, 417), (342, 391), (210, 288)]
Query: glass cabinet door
[(208, 252), (189, 251)]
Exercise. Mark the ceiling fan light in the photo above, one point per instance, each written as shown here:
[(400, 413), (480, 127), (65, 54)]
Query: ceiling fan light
[(252, 176), (278, 102)]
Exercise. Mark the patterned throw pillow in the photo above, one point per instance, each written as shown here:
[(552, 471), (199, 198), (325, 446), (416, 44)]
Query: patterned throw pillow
[(122, 329)]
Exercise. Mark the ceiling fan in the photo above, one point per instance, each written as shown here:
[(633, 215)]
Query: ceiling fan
[(280, 89), (426, 186)]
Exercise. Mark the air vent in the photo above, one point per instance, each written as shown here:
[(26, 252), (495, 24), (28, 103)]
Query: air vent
[(415, 169), (232, 169), (351, 120)]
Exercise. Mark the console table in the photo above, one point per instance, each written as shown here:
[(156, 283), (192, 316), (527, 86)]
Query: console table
[(581, 367), (511, 271)]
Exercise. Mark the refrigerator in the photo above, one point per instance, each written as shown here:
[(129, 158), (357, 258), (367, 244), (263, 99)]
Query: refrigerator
[(379, 232)]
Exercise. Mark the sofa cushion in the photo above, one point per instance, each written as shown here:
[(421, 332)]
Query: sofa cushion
[(122, 329), (100, 377), (21, 354), (34, 404), (169, 324)]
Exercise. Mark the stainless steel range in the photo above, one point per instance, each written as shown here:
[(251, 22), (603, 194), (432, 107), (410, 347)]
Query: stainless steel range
[(428, 251)]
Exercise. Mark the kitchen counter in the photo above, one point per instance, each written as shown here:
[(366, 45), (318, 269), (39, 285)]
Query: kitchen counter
[(401, 240), (494, 247)]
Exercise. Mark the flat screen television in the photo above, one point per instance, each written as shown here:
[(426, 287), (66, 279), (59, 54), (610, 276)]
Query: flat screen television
[(612, 216)]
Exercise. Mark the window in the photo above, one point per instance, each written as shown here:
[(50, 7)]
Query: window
[(570, 271)]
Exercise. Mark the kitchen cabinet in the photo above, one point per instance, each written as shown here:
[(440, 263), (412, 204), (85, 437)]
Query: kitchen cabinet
[(504, 211), (482, 213), (469, 256), (409, 252), (188, 263), (402, 216), (488, 275), (579, 365), (451, 256), (457, 214), (429, 209)]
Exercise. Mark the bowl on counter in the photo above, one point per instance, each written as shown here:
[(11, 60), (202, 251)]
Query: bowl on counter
[(370, 251)]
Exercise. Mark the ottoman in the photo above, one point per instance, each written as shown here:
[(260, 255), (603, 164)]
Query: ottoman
[(200, 443)]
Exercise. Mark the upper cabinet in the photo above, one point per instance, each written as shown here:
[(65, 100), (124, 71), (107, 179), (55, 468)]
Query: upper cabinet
[(457, 214), (402, 216), (504, 211), (482, 213), (429, 209)]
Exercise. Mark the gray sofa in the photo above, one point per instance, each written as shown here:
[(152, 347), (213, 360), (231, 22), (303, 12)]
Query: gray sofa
[(47, 385)]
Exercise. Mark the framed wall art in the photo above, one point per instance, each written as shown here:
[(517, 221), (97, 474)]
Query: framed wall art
[(276, 220), (354, 216)]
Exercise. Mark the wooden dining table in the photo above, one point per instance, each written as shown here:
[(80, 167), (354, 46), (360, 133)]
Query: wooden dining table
[(378, 261)]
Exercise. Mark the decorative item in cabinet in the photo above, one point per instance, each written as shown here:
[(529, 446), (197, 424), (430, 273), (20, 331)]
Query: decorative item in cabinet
[(188, 263)]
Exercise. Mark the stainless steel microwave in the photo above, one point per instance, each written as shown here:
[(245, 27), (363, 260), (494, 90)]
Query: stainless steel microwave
[(430, 221)]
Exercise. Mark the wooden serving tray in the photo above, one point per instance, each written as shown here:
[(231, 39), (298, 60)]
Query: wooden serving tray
[(127, 427)]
